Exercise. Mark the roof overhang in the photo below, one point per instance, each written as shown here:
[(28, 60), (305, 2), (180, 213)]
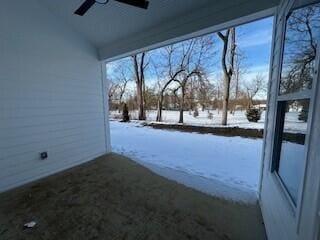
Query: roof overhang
[(117, 30)]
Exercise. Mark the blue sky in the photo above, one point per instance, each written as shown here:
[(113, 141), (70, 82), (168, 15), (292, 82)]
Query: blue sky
[(254, 41)]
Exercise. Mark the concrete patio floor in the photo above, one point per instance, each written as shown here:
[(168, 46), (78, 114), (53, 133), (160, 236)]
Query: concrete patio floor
[(113, 197)]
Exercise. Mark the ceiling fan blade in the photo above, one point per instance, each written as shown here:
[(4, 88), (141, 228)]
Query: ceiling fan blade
[(136, 3), (85, 6)]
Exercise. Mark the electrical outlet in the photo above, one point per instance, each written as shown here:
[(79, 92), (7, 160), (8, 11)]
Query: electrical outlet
[(44, 155)]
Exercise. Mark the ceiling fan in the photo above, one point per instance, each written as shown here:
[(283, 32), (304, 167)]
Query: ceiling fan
[(87, 4)]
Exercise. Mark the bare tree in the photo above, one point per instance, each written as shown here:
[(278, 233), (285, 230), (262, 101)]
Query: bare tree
[(227, 62), (239, 70), (218, 83), (303, 27), (205, 93), (122, 76), (111, 92), (257, 84), (182, 86), (140, 65), (181, 62), (167, 77), (119, 75), (191, 56), (122, 86)]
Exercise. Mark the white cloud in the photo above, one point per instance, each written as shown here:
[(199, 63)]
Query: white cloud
[(253, 71), (255, 38)]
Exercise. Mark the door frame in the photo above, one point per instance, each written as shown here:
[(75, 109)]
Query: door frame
[(105, 105)]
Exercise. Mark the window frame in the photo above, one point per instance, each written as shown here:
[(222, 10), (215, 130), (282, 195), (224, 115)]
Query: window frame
[(280, 120), (280, 100)]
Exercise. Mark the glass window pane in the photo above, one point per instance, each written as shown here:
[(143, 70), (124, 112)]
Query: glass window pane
[(302, 34), (292, 139)]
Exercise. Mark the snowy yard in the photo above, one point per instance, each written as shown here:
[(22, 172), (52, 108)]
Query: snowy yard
[(238, 119), (228, 167)]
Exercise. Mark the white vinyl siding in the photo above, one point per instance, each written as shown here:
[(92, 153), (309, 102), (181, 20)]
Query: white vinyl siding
[(50, 95)]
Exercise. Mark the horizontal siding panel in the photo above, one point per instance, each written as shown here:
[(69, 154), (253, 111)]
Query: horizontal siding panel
[(59, 146), (8, 113), (47, 113), (51, 138), (57, 154), (51, 96), (47, 170), (44, 102), (9, 89), (26, 106), (44, 126), (50, 119), (49, 100), (75, 77), (27, 132), (37, 77)]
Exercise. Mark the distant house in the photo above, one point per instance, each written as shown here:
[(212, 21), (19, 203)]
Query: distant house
[(261, 106)]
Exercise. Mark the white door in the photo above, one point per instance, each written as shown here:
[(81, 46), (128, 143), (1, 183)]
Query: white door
[(289, 195)]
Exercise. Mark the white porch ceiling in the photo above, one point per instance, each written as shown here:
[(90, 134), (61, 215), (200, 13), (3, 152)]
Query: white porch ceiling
[(115, 29), (104, 24)]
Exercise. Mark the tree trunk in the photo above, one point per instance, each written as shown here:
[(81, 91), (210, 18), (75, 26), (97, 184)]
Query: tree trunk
[(227, 71), (120, 104), (250, 101), (140, 101), (181, 116), (236, 94), (139, 72), (159, 112), (225, 102), (110, 104), (237, 87), (182, 104)]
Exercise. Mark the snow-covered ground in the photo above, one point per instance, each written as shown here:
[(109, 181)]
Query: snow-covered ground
[(228, 167), (238, 119)]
